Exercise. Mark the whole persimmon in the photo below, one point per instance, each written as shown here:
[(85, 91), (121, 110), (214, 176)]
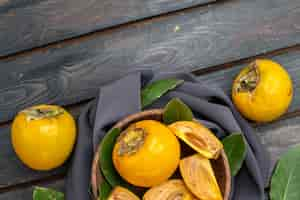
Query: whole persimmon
[(262, 91), (43, 136), (147, 153)]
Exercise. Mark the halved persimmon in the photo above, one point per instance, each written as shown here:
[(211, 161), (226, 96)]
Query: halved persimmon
[(198, 137), (199, 177), (120, 193)]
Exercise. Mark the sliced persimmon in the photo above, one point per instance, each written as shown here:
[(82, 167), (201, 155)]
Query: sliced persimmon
[(198, 137), (199, 177), (120, 193), (170, 190)]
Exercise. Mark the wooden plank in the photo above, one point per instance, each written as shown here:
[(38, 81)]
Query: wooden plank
[(196, 38), (280, 136), (27, 24), (26, 193), (290, 61)]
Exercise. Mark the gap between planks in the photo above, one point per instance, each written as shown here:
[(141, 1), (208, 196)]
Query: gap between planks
[(88, 36), (31, 183), (204, 71)]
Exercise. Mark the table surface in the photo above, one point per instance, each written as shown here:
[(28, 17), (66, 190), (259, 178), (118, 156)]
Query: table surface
[(60, 52)]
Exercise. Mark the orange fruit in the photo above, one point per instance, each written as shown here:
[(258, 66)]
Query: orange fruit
[(199, 177), (146, 154), (262, 91), (173, 189), (198, 137), (43, 136), (120, 193)]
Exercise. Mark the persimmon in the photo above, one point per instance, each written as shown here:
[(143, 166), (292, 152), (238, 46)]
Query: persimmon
[(43, 136), (262, 91), (146, 154), (198, 137)]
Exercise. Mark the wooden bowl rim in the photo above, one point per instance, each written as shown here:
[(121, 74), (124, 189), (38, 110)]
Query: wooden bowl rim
[(134, 117)]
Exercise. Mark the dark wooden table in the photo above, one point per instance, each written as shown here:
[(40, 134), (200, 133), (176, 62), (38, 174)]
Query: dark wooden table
[(54, 51)]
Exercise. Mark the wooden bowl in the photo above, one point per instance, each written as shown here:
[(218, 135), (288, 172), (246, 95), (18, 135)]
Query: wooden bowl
[(220, 166)]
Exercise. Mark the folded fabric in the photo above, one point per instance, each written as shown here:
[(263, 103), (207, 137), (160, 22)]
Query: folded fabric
[(209, 104)]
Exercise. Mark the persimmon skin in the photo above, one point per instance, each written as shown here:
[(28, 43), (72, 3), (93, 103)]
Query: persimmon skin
[(154, 160), (271, 96), (43, 143)]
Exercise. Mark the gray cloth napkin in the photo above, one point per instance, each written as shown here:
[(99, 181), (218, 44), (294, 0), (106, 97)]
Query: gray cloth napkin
[(209, 104)]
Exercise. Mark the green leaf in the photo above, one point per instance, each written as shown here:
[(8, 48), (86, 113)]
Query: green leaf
[(176, 110), (158, 88), (41, 193), (285, 181), (235, 148), (104, 190), (105, 158)]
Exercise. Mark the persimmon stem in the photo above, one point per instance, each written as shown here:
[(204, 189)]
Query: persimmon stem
[(41, 113), (249, 81), (131, 140)]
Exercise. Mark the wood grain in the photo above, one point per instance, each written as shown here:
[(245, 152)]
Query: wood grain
[(201, 37), (280, 136), (290, 61), (28, 24), (26, 193)]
